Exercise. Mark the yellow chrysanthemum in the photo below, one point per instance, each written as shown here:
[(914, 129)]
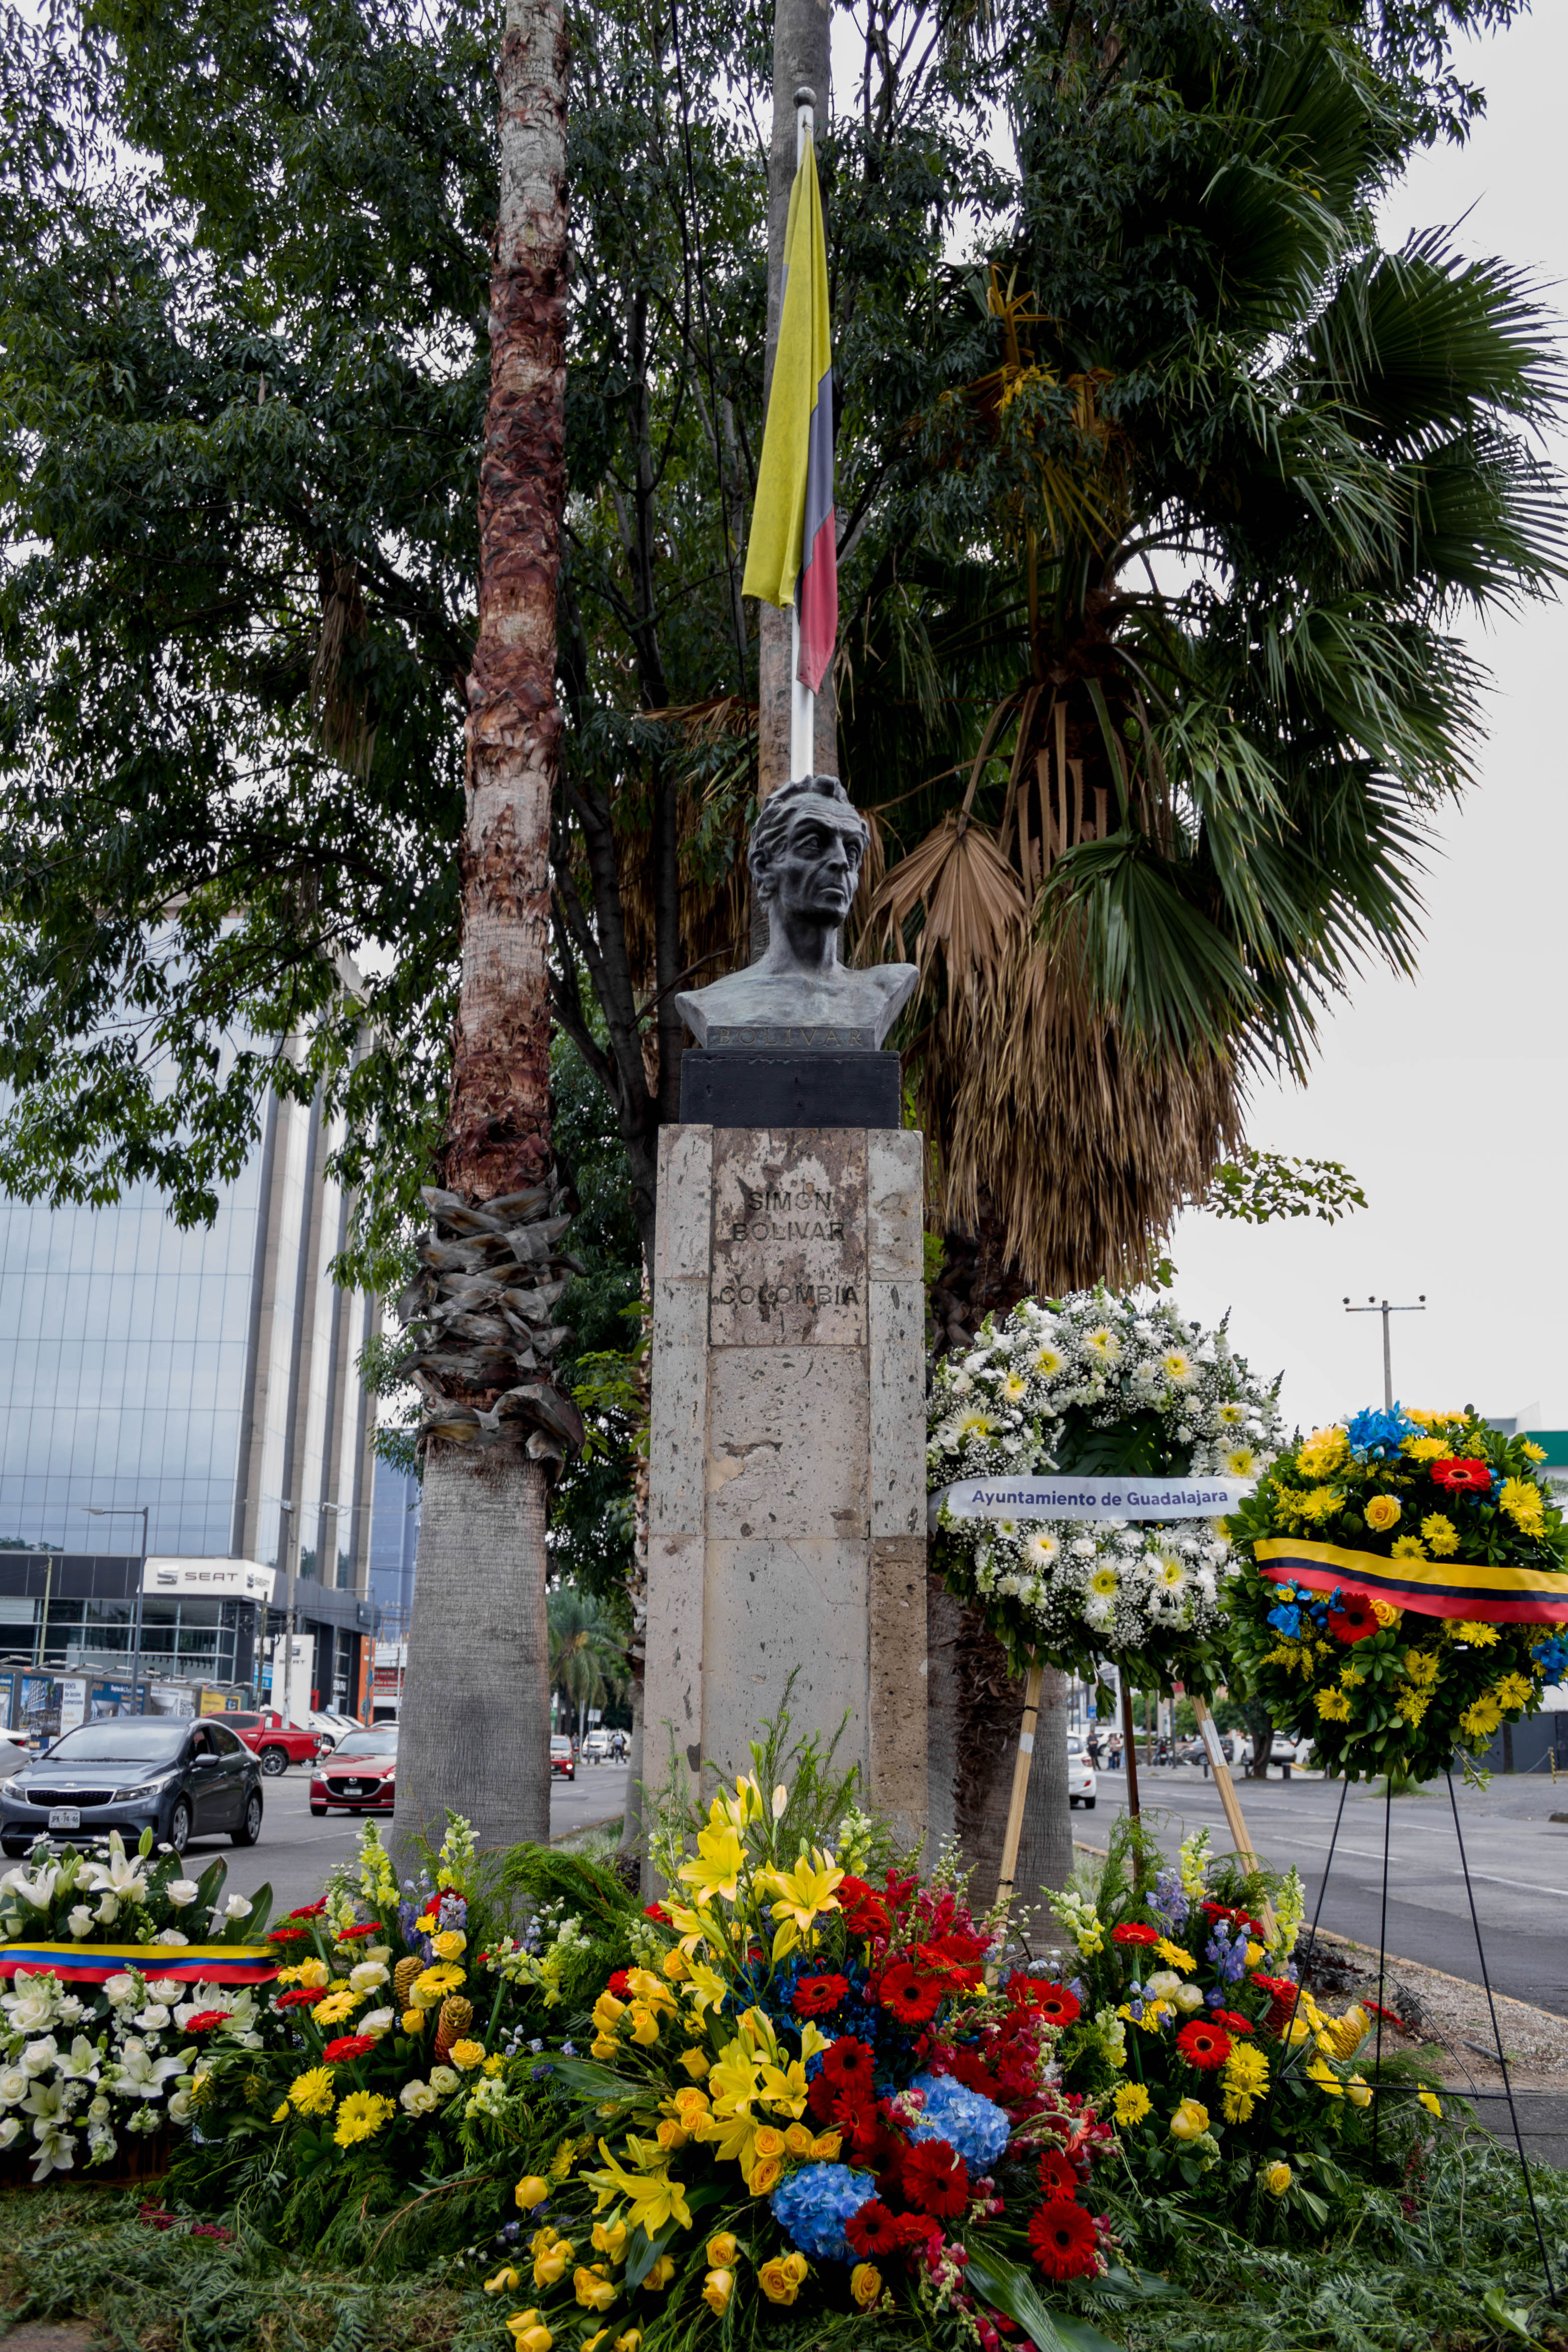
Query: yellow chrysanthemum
[(1525, 1504), (1408, 1547), (1512, 1690), (1531, 1451), (1421, 1668), (1425, 1449), (361, 2116), (1476, 1631), (1479, 1722), (1332, 1706), (1320, 1503), (973, 1425), (1324, 1451), (1130, 2103), (312, 2093), (1440, 1535)]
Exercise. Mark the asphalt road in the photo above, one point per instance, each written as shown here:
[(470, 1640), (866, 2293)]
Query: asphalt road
[(296, 1851), (1517, 1860)]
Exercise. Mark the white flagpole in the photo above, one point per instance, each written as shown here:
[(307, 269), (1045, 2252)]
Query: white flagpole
[(802, 701)]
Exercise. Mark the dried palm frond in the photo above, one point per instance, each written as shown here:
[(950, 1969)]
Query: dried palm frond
[(973, 901), (343, 727)]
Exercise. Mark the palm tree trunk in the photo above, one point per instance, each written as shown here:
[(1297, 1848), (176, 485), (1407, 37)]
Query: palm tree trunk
[(475, 1712)]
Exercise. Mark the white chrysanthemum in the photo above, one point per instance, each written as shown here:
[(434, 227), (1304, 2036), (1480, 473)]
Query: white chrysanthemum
[(1047, 1360), (1041, 1548), (1178, 1368), (1103, 1344), (1170, 1571), (1241, 1461), (973, 1426), (1084, 1547), (1105, 1583), (1230, 1416)]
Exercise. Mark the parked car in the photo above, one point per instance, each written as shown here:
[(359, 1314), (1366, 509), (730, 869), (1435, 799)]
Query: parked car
[(13, 1752), (329, 1727), (562, 1759), (596, 1746), (1083, 1785), (361, 1774), (278, 1743), (179, 1779)]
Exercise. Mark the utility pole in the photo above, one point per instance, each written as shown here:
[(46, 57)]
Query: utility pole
[(1381, 1306), (132, 1511), (290, 1562)]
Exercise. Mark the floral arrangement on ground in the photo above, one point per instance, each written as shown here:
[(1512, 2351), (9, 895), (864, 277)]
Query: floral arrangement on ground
[(100, 2045), (804, 2104), (1183, 2017), (1400, 1590), (400, 2043), (1098, 1384)]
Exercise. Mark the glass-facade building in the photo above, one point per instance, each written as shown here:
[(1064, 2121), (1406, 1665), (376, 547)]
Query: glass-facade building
[(209, 1377), (394, 1548)]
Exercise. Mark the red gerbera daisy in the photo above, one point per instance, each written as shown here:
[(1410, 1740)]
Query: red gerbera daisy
[(298, 1996), (860, 2120), (1463, 1475), (655, 1911), (918, 2229), (618, 1985), (865, 1913), (1207, 2046), (287, 1935), (873, 2231), (1063, 2240), (1133, 1933), (1056, 2003), (1353, 1620), (348, 2045), (308, 1910), (1231, 2021), (360, 1928), (934, 2177), (814, 1996), (1057, 2177), (912, 1998), (205, 2020), (849, 2063)]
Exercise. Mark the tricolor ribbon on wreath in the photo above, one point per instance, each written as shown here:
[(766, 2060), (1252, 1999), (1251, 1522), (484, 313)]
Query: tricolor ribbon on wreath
[(1477, 1589), (94, 1964)]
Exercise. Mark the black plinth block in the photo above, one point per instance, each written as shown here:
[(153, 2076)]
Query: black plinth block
[(734, 1087)]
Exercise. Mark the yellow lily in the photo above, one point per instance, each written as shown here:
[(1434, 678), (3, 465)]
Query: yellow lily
[(704, 1988), (806, 1890), (650, 1990), (720, 1858), (654, 2199)]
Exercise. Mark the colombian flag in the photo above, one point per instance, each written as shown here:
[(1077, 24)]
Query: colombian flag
[(792, 555)]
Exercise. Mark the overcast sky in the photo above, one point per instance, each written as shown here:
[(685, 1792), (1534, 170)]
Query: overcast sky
[(1448, 1097)]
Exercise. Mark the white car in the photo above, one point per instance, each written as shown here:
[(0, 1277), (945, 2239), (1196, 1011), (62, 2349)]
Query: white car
[(331, 1726), (1082, 1786), (596, 1746)]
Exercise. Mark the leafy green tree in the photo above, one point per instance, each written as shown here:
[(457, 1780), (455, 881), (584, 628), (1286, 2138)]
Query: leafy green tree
[(588, 1661)]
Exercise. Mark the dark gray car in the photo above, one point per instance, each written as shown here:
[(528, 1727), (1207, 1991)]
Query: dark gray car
[(179, 1779)]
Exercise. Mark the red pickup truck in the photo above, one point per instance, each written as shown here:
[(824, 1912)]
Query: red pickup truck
[(278, 1744)]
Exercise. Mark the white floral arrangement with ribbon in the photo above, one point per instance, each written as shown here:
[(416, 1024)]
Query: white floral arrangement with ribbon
[(1130, 1399)]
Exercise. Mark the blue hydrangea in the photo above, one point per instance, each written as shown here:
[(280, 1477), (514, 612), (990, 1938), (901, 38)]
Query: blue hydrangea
[(812, 2206), (1551, 1656), (1378, 1437), (974, 2125)]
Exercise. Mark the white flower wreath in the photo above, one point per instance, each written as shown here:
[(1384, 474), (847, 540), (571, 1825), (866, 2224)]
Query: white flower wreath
[(1096, 1383)]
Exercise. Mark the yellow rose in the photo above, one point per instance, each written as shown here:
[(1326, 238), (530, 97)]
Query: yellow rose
[(724, 2252), (549, 2267), (865, 2284), (782, 2278), (1381, 1511), (798, 2140), (766, 2173), (605, 2046), (466, 2055), (530, 2192), (1358, 2091), (690, 2106), (671, 2133), (1190, 2120), (826, 2148), (644, 2025), (630, 2342), (675, 1965), (1278, 2179), (413, 2019), (718, 2288), (610, 2238), (594, 2291), (451, 1944), (768, 2141), (696, 2064), (506, 2280), (662, 2271), (608, 2013)]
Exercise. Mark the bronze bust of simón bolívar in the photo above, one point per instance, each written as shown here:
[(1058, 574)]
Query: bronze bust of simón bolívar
[(806, 851)]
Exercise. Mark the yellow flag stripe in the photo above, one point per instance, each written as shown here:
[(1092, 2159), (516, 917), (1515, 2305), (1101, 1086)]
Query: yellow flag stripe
[(801, 359)]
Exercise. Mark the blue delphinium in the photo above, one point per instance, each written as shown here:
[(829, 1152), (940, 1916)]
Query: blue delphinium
[(975, 2125), (1378, 1437), (813, 2204), (1169, 1901), (1551, 1656), (1230, 1959)]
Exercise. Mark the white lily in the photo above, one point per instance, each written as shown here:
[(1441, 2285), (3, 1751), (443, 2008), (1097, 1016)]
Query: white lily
[(35, 1890), (119, 1874)]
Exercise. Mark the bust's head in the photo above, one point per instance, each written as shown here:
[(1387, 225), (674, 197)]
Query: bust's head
[(806, 849)]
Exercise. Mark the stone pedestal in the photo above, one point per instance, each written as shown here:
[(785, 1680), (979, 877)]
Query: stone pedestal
[(787, 1509)]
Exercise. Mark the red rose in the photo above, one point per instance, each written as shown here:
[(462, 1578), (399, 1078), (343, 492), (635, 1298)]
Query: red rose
[(849, 2063), (1063, 2240), (873, 2231), (815, 1996), (1353, 1620), (1463, 1475), (1134, 1934), (912, 1998), (364, 1928), (287, 1935), (205, 2020), (299, 1996), (348, 2045), (1207, 2046), (1057, 2177), (1053, 2003), (934, 2177)]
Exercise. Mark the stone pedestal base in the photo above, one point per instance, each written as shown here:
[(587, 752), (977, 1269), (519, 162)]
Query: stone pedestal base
[(787, 1509)]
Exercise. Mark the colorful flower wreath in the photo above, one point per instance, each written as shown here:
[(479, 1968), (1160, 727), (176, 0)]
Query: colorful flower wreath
[(1402, 1591), (1099, 1385)]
